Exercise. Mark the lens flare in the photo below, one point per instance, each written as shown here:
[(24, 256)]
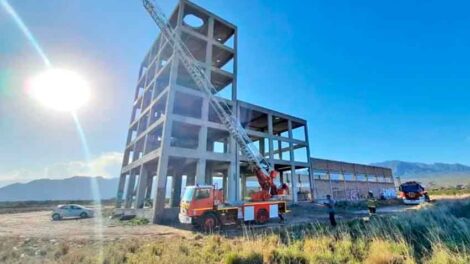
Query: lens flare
[(65, 91), (32, 40), (59, 89)]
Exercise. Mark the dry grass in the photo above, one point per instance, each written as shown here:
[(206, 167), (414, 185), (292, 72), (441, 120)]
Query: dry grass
[(433, 235)]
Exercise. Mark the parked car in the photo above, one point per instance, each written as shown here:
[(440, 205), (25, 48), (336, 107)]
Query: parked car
[(71, 211)]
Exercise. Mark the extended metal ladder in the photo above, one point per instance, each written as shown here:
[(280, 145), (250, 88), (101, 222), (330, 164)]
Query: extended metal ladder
[(222, 109)]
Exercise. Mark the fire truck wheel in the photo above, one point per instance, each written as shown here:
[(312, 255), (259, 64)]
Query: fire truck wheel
[(262, 216), (208, 223)]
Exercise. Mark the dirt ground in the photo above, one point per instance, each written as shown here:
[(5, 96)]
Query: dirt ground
[(39, 224)]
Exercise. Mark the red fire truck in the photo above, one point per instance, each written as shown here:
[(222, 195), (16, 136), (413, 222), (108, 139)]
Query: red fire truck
[(413, 193), (204, 206)]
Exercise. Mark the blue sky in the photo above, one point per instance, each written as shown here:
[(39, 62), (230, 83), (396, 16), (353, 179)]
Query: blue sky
[(376, 80)]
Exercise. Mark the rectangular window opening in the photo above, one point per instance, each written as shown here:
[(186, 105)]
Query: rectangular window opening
[(224, 34), (184, 135), (187, 105), (218, 140), (298, 131)]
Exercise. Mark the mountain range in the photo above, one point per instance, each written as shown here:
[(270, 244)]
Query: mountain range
[(440, 174), (79, 187), (74, 188)]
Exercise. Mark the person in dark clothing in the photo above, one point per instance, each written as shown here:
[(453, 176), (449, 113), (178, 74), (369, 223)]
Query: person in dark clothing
[(371, 204), (330, 204)]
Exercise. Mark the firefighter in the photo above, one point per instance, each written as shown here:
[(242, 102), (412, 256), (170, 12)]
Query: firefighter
[(371, 204), (330, 204)]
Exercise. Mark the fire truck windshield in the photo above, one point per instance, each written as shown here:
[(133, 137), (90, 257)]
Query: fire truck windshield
[(411, 188), (188, 194)]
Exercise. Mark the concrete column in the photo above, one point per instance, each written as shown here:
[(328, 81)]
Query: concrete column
[(141, 186), (176, 182), (262, 147), (294, 184), (299, 181), (201, 172), (226, 145), (291, 146), (208, 174), (310, 170), (148, 190), (289, 127), (210, 35), (233, 182), (224, 184), (159, 200), (270, 140), (134, 152), (202, 144), (129, 136), (243, 186), (130, 189), (202, 137), (235, 66), (344, 186), (179, 21), (146, 137), (120, 192)]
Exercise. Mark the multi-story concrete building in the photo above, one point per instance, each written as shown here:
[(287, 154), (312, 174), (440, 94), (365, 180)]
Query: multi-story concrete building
[(174, 134), (175, 137)]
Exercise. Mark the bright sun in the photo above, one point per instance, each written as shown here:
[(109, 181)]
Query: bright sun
[(60, 89)]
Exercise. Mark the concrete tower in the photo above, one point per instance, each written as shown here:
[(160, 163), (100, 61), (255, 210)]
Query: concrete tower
[(175, 136)]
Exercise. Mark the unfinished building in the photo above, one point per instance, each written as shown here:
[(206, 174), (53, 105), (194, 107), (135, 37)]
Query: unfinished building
[(350, 181), (175, 138)]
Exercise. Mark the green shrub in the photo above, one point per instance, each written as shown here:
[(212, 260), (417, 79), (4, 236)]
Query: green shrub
[(287, 255), (250, 258)]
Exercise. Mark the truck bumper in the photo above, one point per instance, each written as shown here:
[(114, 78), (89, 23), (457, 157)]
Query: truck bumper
[(184, 219), (417, 201)]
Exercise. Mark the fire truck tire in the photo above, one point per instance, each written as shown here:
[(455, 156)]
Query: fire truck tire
[(262, 216), (208, 223)]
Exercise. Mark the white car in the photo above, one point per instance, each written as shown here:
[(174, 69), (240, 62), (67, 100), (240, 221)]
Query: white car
[(71, 211)]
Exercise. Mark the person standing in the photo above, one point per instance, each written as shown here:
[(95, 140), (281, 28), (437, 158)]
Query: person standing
[(371, 204), (330, 204)]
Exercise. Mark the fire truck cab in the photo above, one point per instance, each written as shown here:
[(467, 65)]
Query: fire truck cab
[(204, 207)]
